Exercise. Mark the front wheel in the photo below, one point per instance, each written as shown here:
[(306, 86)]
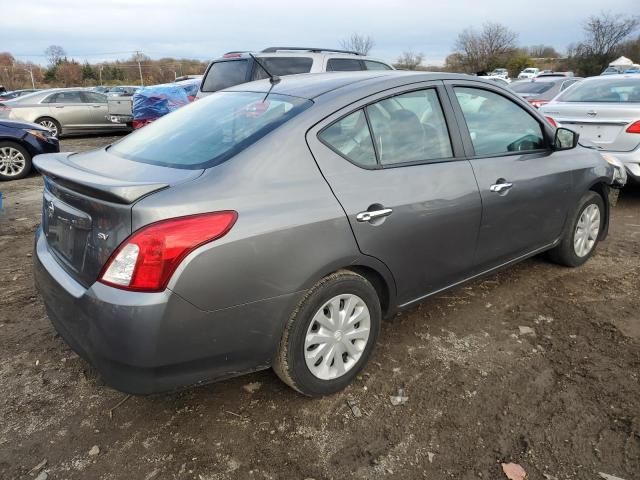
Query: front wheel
[(330, 335), (50, 124), (582, 233), (15, 161)]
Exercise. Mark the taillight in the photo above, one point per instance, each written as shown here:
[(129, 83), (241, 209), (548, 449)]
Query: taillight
[(147, 259), (552, 122), (634, 127), (538, 103)]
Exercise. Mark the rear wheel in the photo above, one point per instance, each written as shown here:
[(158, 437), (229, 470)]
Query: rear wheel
[(330, 335), (582, 234), (50, 124), (15, 161)]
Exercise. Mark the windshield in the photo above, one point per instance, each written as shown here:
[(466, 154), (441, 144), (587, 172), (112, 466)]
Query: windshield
[(615, 90), (225, 74), (531, 87), (208, 132)]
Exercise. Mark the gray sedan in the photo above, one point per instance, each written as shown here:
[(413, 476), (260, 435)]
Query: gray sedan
[(276, 223), (63, 111)]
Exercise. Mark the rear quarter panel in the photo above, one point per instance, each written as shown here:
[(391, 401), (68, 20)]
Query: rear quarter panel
[(290, 231)]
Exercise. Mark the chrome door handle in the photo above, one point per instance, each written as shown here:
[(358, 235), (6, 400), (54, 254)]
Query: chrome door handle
[(500, 187), (368, 216)]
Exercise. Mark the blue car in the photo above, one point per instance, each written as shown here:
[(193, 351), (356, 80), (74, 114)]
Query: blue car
[(19, 143)]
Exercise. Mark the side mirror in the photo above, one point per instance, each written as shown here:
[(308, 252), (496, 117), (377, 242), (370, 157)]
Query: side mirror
[(565, 139)]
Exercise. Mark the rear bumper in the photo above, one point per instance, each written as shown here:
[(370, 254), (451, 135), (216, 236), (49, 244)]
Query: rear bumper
[(144, 343)]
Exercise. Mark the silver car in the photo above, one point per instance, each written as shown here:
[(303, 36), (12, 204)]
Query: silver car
[(606, 111), (275, 224), (63, 111)]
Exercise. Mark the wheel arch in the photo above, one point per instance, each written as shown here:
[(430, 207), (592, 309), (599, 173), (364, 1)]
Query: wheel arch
[(601, 187)]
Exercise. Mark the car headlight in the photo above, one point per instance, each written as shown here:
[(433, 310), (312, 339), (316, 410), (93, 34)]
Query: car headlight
[(44, 135), (619, 170)]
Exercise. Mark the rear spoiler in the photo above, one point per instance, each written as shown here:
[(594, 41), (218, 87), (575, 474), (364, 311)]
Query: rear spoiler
[(59, 168)]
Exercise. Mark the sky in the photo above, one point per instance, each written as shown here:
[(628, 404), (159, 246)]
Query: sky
[(113, 29)]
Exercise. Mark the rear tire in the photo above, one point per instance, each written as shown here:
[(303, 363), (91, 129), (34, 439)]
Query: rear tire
[(15, 161), (330, 335), (582, 232), (50, 124)]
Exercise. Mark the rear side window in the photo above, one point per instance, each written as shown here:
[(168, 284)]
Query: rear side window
[(350, 138), (344, 65), (281, 66), (225, 74), (410, 128), (92, 97), (626, 90), (496, 124), (208, 132), (370, 65)]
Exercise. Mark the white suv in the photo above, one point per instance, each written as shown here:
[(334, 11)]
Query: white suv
[(239, 67), (529, 73)]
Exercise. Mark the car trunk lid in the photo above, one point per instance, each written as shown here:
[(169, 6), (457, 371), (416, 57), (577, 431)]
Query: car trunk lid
[(87, 202), (604, 124)]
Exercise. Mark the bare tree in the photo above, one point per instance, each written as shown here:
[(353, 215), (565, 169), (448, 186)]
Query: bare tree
[(487, 49), (606, 32), (361, 44), (542, 51), (54, 54), (409, 60)]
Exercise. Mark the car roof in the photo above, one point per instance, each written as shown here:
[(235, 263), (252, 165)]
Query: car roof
[(313, 85)]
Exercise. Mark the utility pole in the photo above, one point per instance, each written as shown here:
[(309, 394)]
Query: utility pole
[(100, 73), (139, 68), (30, 70)]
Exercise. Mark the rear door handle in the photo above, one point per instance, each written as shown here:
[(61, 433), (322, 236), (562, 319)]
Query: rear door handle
[(372, 215), (500, 187)]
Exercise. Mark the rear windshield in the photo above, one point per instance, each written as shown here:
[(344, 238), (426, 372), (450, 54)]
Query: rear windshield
[(225, 74), (531, 87), (281, 66), (208, 132), (625, 90)]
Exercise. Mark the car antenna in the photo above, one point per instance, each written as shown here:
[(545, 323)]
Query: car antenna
[(273, 79)]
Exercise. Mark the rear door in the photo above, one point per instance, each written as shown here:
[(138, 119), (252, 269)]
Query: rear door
[(395, 163), (344, 65), (69, 109), (525, 186), (98, 110)]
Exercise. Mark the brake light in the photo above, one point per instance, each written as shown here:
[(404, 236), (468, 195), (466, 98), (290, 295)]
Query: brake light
[(4, 108), (147, 259), (538, 103), (634, 127), (552, 122)]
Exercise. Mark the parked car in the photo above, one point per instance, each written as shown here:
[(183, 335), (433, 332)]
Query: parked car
[(152, 102), (500, 72), (239, 67), (277, 223), (122, 90), (612, 71), (528, 73), (63, 111), (19, 143), (16, 93), (606, 111), (541, 90)]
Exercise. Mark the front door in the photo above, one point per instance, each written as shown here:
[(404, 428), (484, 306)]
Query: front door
[(394, 163), (525, 186)]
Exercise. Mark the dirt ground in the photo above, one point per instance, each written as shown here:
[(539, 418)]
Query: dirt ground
[(562, 401)]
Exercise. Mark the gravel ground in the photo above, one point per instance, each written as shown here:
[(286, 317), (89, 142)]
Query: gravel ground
[(561, 397)]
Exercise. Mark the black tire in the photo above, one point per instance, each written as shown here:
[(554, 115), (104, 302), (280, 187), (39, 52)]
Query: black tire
[(27, 161), (43, 120), (290, 364), (565, 253)]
